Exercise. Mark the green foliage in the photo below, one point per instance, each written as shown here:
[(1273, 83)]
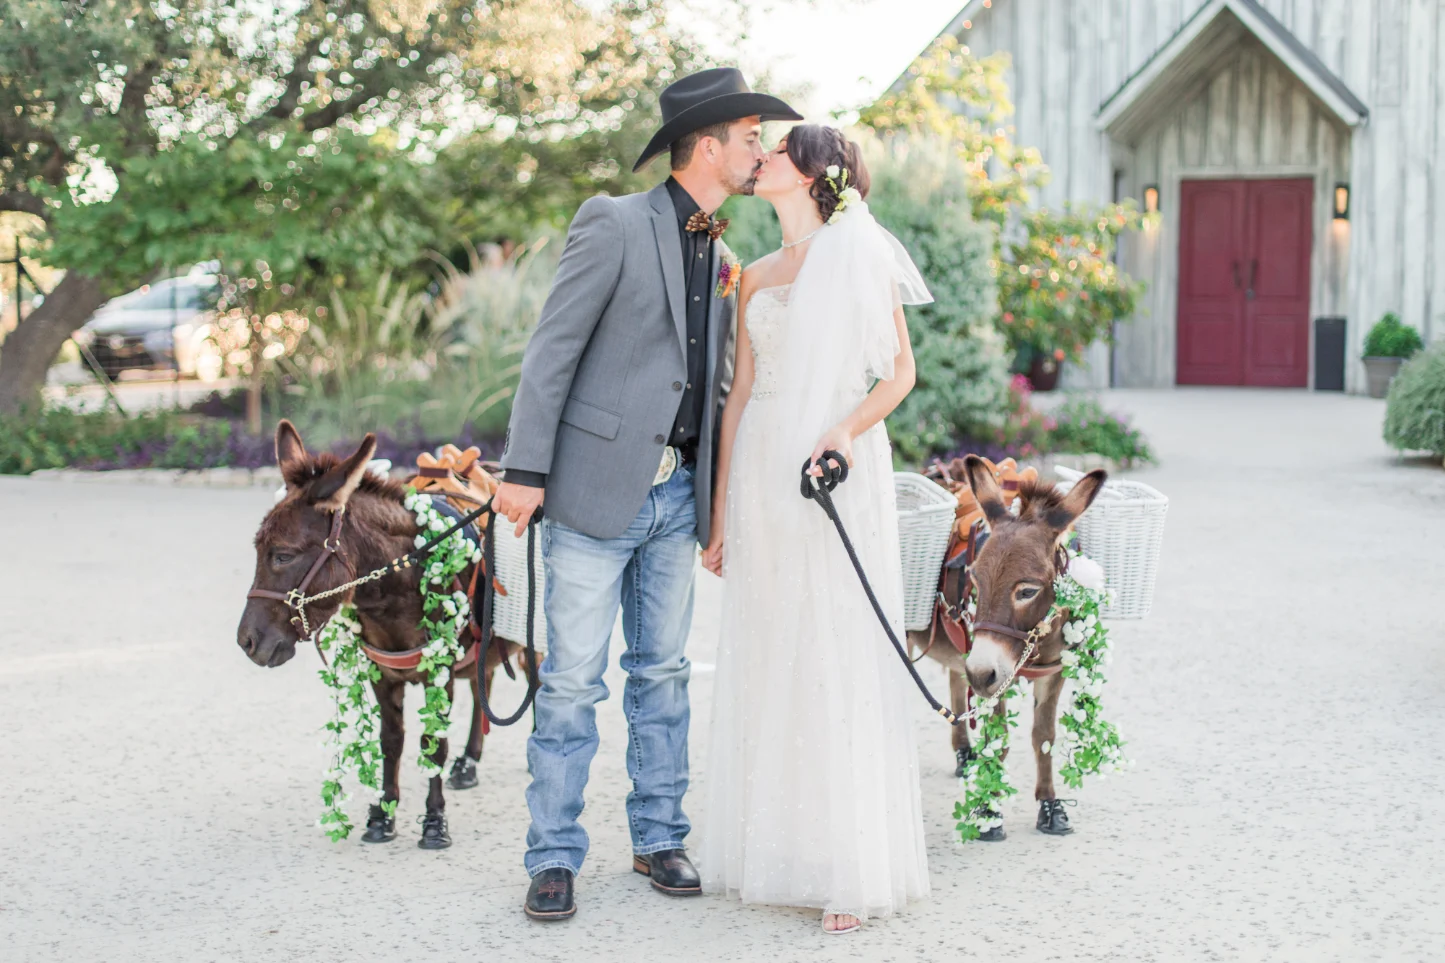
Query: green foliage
[(920, 194), (62, 438), (953, 96), (752, 227), (1415, 406), (1081, 426), (386, 360), (1059, 288), (1392, 338)]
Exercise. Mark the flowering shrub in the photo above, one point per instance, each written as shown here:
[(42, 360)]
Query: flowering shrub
[(1059, 289), (1081, 425)]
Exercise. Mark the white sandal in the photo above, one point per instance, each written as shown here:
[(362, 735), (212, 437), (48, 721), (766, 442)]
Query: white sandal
[(857, 923)]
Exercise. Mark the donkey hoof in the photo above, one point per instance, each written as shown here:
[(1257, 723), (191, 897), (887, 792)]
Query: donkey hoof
[(380, 828), (1052, 818), (434, 833), (964, 757), (463, 774), (994, 833)]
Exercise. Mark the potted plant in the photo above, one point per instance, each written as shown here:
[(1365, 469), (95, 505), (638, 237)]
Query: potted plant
[(1387, 345), (1059, 289)]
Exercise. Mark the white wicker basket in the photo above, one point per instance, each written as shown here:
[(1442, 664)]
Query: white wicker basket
[(1123, 531), (509, 619), (925, 519)]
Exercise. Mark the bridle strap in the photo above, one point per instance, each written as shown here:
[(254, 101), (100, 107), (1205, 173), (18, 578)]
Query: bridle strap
[(296, 598)]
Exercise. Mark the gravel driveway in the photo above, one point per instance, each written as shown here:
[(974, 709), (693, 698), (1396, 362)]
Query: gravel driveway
[(1284, 704)]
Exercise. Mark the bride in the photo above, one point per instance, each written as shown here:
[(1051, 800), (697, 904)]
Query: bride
[(813, 793)]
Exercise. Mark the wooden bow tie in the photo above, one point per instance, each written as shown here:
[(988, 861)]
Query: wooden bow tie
[(701, 221)]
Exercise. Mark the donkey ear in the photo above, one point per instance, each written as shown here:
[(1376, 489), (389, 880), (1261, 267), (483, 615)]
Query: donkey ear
[(1077, 501), (291, 455), (985, 488), (333, 490)]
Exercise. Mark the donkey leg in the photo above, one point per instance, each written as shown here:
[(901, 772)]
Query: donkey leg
[(464, 770), (434, 833), (1052, 819), (381, 825), (958, 700)]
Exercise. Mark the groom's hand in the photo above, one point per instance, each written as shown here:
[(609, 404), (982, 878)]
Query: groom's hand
[(518, 503)]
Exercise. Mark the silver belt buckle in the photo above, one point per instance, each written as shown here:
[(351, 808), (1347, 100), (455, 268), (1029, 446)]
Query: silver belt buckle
[(667, 466)]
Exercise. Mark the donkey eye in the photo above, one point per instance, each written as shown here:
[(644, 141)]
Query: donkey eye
[(282, 558), (1026, 593)]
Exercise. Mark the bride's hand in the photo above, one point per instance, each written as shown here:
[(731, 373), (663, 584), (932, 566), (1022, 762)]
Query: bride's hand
[(712, 556), (837, 439)]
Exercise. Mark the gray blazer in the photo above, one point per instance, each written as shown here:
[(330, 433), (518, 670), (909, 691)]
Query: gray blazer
[(603, 373)]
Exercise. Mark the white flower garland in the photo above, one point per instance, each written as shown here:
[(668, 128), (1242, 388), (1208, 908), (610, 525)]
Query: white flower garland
[(355, 727), (1091, 745)]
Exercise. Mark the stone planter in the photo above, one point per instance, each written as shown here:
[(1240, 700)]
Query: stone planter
[(1379, 372)]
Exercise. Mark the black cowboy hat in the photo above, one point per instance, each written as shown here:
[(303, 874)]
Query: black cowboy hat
[(705, 98)]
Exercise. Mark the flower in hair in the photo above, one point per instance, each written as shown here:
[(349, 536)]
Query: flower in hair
[(838, 180)]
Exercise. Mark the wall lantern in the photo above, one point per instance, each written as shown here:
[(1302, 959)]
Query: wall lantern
[(1151, 198), (1342, 202)]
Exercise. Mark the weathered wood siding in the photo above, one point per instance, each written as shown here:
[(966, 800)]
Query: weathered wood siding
[(1251, 119)]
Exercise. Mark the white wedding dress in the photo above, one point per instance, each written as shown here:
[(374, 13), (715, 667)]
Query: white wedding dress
[(813, 793)]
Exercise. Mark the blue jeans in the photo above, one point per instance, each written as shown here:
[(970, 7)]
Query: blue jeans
[(648, 570)]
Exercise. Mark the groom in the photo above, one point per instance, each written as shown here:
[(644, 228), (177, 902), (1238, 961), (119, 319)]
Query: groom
[(614, 424)]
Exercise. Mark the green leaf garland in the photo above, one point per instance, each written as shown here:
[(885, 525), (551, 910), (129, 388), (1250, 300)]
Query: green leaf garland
[(354, 730), (1090, 745)]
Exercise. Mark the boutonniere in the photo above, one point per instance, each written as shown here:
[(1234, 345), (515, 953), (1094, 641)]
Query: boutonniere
[(729, 272)]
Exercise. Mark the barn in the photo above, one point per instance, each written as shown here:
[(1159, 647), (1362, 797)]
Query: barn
[(1295, 152)]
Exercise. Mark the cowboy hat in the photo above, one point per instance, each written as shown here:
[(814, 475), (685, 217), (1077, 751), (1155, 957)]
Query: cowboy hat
[(705, 98)]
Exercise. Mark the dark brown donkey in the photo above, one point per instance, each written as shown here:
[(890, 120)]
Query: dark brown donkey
[(1013, 573), (375, 528)]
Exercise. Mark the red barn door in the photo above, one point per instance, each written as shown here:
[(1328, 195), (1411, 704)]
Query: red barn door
[(1244, 282)]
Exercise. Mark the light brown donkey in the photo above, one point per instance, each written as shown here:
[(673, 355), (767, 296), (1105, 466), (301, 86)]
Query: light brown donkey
[(1013, 575)]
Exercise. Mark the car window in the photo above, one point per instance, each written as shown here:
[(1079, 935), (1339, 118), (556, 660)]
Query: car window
[(189, 297)]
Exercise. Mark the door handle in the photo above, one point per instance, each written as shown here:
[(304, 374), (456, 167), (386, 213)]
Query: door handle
[(1249, 289)]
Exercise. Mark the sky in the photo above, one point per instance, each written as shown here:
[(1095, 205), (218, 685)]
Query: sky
[(846, 51)]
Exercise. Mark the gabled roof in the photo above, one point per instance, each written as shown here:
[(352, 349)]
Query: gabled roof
[(1195, 49), (955, 27)]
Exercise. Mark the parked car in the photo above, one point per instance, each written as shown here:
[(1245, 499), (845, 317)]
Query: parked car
[(165, 325)]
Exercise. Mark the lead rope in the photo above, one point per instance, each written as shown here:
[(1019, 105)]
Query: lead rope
[(820, 490)]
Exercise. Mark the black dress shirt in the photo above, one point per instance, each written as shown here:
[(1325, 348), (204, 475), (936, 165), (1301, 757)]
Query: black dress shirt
[(697, 284)]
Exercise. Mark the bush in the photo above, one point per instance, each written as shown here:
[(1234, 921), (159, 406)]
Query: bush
[(920, 193), (1415, 406), (1081, 426), (61, 438), (1391, 338)]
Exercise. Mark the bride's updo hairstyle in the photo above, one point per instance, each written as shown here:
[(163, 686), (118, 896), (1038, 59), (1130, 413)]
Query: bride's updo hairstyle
[(814, 148)]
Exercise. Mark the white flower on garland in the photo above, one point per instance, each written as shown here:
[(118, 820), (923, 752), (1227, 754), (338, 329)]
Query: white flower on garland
[(1087, 572)]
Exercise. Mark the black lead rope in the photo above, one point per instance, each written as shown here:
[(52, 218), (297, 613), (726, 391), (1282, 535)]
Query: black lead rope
[(820, 490)]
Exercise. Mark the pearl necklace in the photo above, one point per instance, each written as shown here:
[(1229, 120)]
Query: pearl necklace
[(805, 237)]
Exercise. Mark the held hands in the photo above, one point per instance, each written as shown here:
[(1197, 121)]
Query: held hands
[(518, 503), (712, 556), (839, 439)]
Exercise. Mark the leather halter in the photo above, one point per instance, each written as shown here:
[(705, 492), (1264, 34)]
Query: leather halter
[(959, 627), (296, 599)]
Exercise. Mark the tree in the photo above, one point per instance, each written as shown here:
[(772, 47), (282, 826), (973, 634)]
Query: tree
[(1059, 287), (144, 134)]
